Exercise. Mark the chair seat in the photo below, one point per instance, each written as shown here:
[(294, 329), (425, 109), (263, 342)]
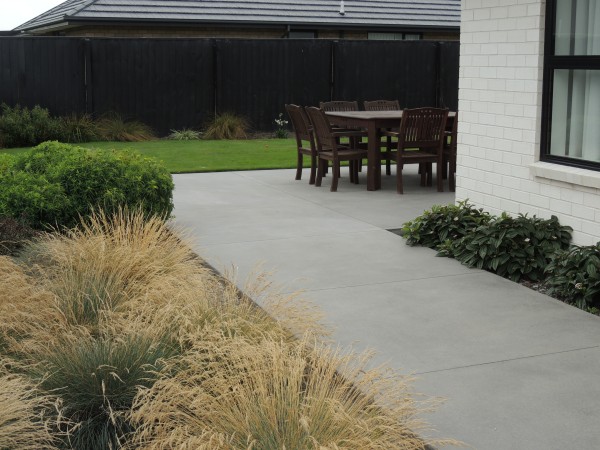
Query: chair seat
[(343, 154)]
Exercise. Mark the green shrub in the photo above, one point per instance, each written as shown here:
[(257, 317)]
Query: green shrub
[(515, 248), (444, 223), (32, 198), (56, 183), (227, 126), (77, 128), (574, 276), (22, 127), (113, 127), (97, 380), (184, 135)]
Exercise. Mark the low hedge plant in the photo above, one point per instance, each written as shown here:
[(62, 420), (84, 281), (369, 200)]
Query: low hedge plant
[(518, 248), (444, 224), (24, 127), (54, 184), (573, 275)]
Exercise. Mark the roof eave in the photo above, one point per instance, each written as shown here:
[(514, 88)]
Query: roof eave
[(70, 21)]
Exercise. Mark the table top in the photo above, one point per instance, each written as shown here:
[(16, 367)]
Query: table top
[(366, 115)]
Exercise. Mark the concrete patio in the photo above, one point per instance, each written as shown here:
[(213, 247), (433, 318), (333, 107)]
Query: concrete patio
[(519, 370)]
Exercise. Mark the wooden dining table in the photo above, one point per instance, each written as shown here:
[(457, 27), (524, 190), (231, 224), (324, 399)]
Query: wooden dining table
[(373, 122)]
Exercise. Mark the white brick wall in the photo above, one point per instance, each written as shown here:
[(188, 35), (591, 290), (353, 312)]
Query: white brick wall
[(500, 96)]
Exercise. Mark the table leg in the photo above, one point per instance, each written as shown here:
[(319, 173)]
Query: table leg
[(374, 159)]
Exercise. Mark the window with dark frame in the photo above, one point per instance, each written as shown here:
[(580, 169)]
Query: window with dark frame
[(571, 100), (302, 34)]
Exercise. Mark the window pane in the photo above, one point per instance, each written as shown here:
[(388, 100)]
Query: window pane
[(385, 36), (412, 37), (577, 27), (301, 34), (576, 114)]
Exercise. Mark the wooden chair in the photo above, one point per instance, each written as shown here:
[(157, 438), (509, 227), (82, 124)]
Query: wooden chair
[(304, 134), (341, 106), (338, 106), (384, 105), (450, 153), (421, 141), (330, 150)]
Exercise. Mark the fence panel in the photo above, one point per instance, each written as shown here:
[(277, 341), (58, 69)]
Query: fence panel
[(256, 78), (166, 83), (43, 71), (177, 83), (449, 56), (372, 70)]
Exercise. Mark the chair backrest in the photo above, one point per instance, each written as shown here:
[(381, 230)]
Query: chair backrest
[(338, 106), (300, 123), (382, 105), (423, 128), (322, 129)]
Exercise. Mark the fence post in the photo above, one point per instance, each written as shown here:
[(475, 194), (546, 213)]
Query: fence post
[(438, 75), (332, 71), (88, 78), (215, 72)]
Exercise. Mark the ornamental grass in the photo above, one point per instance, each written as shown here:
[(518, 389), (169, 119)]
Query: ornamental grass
[(142, 345), (23, 423)]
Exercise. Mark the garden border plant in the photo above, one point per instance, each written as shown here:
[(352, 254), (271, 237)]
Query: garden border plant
[(54, 184), (530, 250), (217, 348)]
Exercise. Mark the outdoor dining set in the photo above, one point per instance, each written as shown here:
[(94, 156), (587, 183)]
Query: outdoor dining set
[(335, 132)]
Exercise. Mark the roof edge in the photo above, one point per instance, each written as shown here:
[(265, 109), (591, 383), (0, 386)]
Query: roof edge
[(70, 21)]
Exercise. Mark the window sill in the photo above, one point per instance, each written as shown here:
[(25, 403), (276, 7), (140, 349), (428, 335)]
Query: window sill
[(566, 174)]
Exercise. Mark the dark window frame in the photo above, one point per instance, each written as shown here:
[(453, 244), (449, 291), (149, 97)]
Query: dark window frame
[(552, 63)]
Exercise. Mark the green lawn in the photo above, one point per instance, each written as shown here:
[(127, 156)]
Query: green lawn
[(209, 156)]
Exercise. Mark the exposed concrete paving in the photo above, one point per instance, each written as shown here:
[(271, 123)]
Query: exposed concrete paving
[(519, 370)]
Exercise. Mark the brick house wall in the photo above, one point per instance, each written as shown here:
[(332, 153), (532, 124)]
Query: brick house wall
[(500, 104)]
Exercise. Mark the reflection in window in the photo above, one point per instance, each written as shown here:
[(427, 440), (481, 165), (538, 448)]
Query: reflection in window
[(577, 27), (576, 114)]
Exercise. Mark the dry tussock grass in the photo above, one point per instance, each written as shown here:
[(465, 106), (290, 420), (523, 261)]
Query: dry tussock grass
[(22, 422), (121, 302), (28, 316), (234, 394)]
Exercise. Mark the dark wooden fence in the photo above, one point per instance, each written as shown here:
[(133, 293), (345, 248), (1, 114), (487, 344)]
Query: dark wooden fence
[(177, 83)]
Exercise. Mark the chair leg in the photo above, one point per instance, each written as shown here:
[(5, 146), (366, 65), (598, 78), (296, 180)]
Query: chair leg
[(423, 172), (430, 173), (399, 185), (320, 170), (351, 170), (313, 169), (356, 164), (299, 167), (439, 175), (336, 175), (388, 161)]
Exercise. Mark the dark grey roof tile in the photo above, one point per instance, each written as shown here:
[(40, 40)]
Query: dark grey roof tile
[(398, 13)]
